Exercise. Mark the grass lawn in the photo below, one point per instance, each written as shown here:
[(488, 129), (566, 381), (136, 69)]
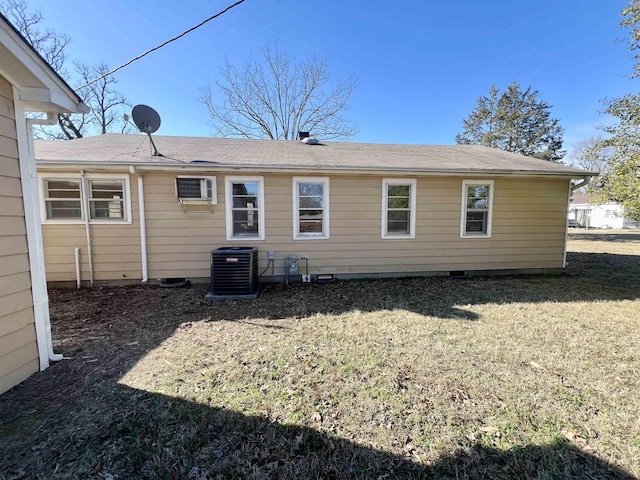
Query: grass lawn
[(509, 377)]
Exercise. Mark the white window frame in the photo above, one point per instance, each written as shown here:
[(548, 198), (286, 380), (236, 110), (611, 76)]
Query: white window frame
[(386, 182), (204, 197), (43, 198), (84, 202), (296, 208), (229, 204), (463, 210)]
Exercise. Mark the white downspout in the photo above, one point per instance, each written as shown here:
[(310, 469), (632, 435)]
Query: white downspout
[(566, 228), (143, 225), (85, 207), (31, 201), (78, 275)]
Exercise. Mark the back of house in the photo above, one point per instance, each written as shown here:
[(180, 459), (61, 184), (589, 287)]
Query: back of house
[(342, 209)]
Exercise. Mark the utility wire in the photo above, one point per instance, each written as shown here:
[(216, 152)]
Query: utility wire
[(161, 45)]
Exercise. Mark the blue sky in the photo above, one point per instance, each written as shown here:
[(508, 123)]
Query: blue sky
[(420, 65)]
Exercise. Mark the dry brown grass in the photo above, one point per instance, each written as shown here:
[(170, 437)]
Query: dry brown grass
[(527, 377)]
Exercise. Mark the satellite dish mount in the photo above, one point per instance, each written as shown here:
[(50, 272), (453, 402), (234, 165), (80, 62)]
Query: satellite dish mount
[(148, 121)]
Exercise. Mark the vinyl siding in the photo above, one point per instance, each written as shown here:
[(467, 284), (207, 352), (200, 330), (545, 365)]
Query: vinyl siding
[(529, 219), (115, 248), (18, 350)]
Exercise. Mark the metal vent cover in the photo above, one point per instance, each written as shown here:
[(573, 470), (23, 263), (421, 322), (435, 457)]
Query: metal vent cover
[(234, 273)]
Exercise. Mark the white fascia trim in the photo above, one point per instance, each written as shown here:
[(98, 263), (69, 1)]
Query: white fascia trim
[(412, 182), (296, 203), (29, 182), (78, 177), (463, 210), (306, 170), (59, 97), (228, 191)]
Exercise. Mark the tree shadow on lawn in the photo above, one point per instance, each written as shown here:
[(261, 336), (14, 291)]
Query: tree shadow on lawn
[(601, 236), (104, 430), (76, 421), (589, 277)]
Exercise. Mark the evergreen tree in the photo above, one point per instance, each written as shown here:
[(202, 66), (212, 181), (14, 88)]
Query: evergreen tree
[(515, 121)]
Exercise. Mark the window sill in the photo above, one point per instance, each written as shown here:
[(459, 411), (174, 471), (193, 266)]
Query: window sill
[(484, 235), (398, 237), (244, 239), (311, 237), (82, 222), (196, 201)]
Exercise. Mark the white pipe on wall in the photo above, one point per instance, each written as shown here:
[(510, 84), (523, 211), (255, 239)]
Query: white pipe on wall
[(31, 202), (143, 225), (78, 277), (85, 206)]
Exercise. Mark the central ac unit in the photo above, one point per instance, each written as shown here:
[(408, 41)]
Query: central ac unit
[(234, 273)]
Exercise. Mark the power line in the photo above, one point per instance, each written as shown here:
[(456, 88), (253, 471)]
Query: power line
[(161, 45)]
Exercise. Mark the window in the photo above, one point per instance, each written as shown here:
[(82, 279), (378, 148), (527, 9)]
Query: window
[(477, 201), (106, 199), (63, 198), (398, 208), (245, 208), (310, 208), (196, 188)]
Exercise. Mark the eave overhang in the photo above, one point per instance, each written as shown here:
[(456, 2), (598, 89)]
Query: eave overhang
[(44, 165), (41, 89)]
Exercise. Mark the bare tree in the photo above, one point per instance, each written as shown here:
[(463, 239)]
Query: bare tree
[(106, 103), (104, 99), (277, 97), (48, 43), (591, 153)]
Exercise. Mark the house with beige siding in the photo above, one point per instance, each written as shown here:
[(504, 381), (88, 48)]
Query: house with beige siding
[(350, 209), (27, 84)]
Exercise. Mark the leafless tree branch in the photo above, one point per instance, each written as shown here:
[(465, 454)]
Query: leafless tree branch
[(278, 97), (106, 103)]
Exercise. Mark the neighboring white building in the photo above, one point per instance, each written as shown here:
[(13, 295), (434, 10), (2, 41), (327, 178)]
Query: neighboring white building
[(603, 215)]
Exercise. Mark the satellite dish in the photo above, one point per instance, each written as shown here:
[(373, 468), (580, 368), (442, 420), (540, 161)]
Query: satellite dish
[(146, 119)]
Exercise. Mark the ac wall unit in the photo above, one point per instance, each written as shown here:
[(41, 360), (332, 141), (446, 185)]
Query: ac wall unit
[(234, 273)]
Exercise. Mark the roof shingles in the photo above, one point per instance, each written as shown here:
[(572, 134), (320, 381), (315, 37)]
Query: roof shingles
[(279, 154)]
